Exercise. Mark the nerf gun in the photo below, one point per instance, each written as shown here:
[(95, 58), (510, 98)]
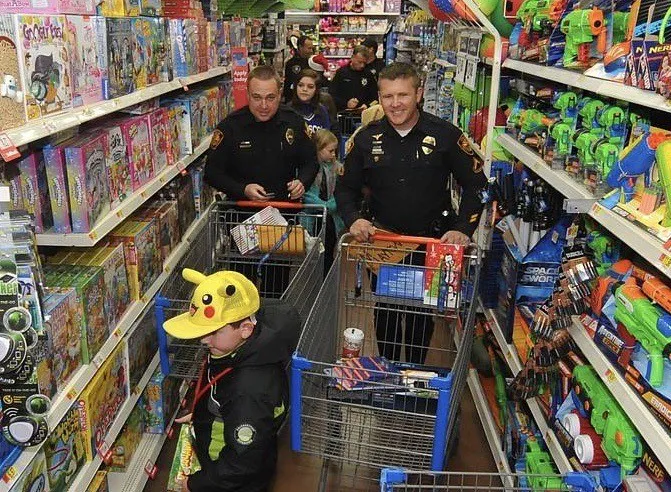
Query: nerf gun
[(648, 324), (539, 467), (605, 249), (620, 440), (533, 121), (581, 26), (620, 23), (663, 157), (567, 104), (561, 134), (538, 16), (584, 142)]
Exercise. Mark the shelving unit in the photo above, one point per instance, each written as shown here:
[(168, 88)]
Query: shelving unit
[(444, 63), (513, 361), (82, 377), (603, 87), (652, 431), (649, 247), (350, 33), (44, 127), (299, 13)]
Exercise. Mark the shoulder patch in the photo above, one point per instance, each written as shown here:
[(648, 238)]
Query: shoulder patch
[(217, 138), (464, 144), (245, 434)]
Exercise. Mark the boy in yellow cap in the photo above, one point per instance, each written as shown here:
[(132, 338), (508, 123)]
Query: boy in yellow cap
[(242, 393)]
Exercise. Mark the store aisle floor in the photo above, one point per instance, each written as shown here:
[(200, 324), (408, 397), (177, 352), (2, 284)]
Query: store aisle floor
[(300, 473)]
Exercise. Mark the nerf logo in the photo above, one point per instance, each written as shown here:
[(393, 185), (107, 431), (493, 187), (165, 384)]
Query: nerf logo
[(610, 339), (660, 48), (540, 274), (652, 466), (660, 406)]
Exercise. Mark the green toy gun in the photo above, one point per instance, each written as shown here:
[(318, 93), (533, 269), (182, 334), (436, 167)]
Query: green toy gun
[(620, 23), (663, 158), (561, 133), (620, 442), (581, 26), (567, 104), (588, 109), (606, 154), (533, 121), (584, 142), (540, 468), (648, 324)]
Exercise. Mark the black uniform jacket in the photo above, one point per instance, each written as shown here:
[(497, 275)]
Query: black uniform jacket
[(271, 153), (236, 423), (348, 83), (291, 71), (408, 178), (375, 67)]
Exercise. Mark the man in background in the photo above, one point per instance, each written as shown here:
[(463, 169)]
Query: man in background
[(374, 65), (352, 86)]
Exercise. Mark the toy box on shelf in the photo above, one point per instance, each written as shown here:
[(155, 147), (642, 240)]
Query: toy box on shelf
[(65, 451), (141, 31), (160, 400), (166, 215), (120, 57), (86, 80), (119, 8), (142, 343), (99, 482), (35, 477), (160, 139), (116, 161), (35, 190), (45, 61), (181, 125), (102, 399), (57, 179), (127, 442), (80, 7), (11, 86), (138, 149)]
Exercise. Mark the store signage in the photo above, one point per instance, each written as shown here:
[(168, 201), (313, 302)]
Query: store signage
[(240, 72)]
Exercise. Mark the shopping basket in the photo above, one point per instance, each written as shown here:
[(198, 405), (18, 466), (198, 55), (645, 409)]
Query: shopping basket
[(348, 122), (391, 420), (287, 262), (399, 480)]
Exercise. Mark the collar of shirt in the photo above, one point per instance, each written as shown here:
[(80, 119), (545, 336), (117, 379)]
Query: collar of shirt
[(421, 126), (280, 117)]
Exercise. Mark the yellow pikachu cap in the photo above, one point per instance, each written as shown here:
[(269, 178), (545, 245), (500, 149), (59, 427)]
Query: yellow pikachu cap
[(219, 299)]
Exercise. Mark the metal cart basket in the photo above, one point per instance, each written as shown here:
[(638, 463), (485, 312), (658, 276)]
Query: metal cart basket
[(348, 122), (393, 420), (398, 480), (286, 262)]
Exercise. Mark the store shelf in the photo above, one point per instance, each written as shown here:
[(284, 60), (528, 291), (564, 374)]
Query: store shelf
[(144, 459), (273, 50), (513, 360), (44, 127), (299, 13), (116, 216), (603, 87), (488, 423), (403, 48), (403, 37), (86, 474), (652, 431), (350, 33), (476, 148), (444, 63), (84, 375), (646, 245)]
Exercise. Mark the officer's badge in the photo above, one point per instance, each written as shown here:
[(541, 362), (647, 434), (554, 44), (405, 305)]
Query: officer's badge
[(296, 68), (217, 138), (428, 144), (377, 137), (244, 434), (465, 145), (289, 135), (376, 158), (364, 81)]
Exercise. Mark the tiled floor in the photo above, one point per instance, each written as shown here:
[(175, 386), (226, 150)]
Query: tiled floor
[(301, 473)]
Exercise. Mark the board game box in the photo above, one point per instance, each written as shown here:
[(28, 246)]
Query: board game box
[(100, 27), (142, 343), (86, 73), (141, 33), (81, 7), (117, 293), (34, 478), (35, 190), (138, 149), (442, 278), (127, 442), (65, 451), (160, 139), (118, 170), (44, 55), (57, 180), (160, 401), (99, 482), (185, 461), (119, 56), (119, 8), (12, 109)]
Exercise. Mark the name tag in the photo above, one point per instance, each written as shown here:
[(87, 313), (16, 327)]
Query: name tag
[(245, 145), (377, 150)]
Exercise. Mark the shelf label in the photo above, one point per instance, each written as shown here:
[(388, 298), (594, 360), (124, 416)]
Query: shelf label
[(150, 469), (610, 376), (8, 150), (10, 474), (93, 236), (105, 452), (98, 360), (72, 394)]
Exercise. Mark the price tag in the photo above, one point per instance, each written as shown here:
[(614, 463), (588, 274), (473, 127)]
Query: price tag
[(596, 209), (610, 376), (183, 84), (72, 394), (105, 452), (50, 126), (93, 236), (117, 333), (8, 150), (119, 213), (10, 474), (150, 469), (98, 361)]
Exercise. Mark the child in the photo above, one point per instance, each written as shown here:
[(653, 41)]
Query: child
[(321, 191), (242, 394)]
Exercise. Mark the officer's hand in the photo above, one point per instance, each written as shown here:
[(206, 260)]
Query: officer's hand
[(362, 230), (256, 192), (185, 419), (296, 189), (455, 237), (352, 103)]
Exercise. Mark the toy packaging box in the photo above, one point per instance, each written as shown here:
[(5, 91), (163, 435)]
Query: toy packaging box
[(15, 193), (119, 8), (57, 181), (86, 74), (138, 150), (161, 143), (181, 108), (141, 242), (65, 451), (127, 442), (120, 57), (174, 128), (63, 332), (88, 185), (185, 461), (160, 401), (117, 294), (45, 58), (118, 171), (12, 109), (81, 7), (158, 61), (167, 217), (442, 278), (35, 478), (102, 399), (142, 343), (140, 39), (185, 205), (35, 190), (100, 29), (99, 482), (152, 8)]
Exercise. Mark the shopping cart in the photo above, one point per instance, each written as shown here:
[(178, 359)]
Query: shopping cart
[(391, 420), (348, 122), (398, 480), (288, 263)]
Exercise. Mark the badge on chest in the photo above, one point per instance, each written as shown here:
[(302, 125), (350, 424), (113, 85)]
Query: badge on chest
[(245, 144)]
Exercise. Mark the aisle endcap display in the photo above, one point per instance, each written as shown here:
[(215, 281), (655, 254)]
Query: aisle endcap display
[(117, 215), (71, 392), (652, 431), (72, 118), (649, 247)]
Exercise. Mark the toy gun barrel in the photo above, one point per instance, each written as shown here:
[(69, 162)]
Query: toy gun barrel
[(539, 465), (597, 25), (663, 156)]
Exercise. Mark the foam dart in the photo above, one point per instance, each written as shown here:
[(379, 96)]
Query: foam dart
[(499, 21)]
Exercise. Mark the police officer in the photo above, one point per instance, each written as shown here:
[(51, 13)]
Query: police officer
[(294, 66), (352, 87), (262, 151), (374, 65), (405, 160)]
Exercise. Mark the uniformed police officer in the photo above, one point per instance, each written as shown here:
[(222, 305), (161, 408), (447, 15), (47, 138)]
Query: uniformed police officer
[(262, 151), (405, 160), (374, 65), (352, 86), (294, 66)]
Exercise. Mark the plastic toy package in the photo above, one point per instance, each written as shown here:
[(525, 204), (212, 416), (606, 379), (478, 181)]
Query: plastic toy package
[(65, 451)]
